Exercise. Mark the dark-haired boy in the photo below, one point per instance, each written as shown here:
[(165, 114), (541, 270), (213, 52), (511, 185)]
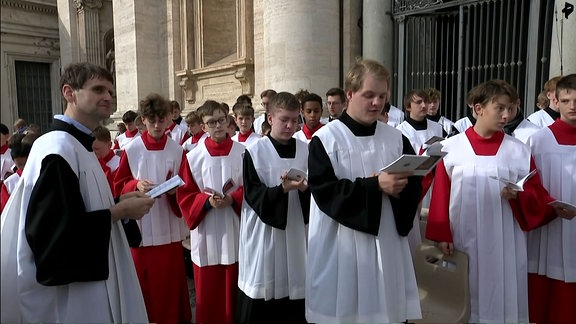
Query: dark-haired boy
[(244, 116), (131, 131), (272, 257), (311, 111)]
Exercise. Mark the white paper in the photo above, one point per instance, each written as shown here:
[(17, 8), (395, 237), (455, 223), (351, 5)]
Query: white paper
[(419, 165), (296, 174), (516, 186), (166, 186), (563, 205), (226, 189)]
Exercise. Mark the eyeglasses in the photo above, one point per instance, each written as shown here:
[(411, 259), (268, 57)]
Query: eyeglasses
[(212, 123)]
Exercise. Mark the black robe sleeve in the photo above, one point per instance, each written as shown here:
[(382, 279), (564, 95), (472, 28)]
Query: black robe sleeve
[(69, 244), (357, 204), (405, 207), (270, 204)]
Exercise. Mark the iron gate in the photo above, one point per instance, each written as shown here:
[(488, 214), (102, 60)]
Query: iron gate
[(456, 45)]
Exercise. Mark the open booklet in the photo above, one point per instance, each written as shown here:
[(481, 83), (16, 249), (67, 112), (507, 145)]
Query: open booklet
[(563, 205), (166, 186), (296, 174), (516, 186), (226, 189), (419, 165)]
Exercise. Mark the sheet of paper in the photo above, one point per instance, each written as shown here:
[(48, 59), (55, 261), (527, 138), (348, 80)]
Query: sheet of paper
[(563, 205), (518, 185), (166, 186), (296, 174), (420, 165)]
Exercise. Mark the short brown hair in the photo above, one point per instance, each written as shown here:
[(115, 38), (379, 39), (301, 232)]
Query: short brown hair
[(209, 107), (358, 72), (242, 109), (566, 83), (487, 91), (77, 74), (412, 93), (284, 100), (154, 105), (550, 85), (102, 134), (267, 93), (433, 94), (193, 118)]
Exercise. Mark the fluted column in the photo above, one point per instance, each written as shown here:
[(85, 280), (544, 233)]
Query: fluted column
[(89, 31), (378, 32), (301, 46)]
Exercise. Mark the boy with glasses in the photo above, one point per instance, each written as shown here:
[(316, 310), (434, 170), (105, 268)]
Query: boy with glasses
[(210, 202)]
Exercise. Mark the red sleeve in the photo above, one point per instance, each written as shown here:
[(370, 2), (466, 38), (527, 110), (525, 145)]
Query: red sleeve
[(426, 183), (190, 199), (237, 196), (124, 182), (4, 195), (116, 145), (531, 209), (438, 225), (172, 200), (184, 138)]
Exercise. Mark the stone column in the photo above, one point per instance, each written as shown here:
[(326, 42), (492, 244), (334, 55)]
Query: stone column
[(378, 32), (89, 31), (68, 30), (563, 51), (300, 44), (140, 38)]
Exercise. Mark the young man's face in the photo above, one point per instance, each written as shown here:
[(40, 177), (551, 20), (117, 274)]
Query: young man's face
[(283, 124), (100, 148), (244, 123), (312, 111), (93, 102), (551, 95), (365, 105), (433, 106), (4, 138), (194, 128), (265, 102), (335, 106), (216, 125), (131, 126), (418, 108), (176, 112), (495, 114), (156, 126), (567, 106)]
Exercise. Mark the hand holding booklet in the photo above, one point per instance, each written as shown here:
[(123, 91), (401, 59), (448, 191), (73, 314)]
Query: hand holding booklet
[(419, 165), (516, 186), (226, 189), (166, 186), (296, 174), (568, 210)]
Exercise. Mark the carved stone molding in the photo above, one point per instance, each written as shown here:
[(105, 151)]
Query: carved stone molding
[(29, 6), (187, 84), (193, 81), (87, 4)]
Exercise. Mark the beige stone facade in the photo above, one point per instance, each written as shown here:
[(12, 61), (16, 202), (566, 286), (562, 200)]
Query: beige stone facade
[(194, 50)]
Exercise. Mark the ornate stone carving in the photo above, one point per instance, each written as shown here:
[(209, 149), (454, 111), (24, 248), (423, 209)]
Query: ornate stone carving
[(408, 5), (187, 84), (87, 4), (245, 75), (29, 6)]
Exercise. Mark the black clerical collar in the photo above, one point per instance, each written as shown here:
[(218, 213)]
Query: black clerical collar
[(418, 125), (355, 127), (85, 139), (178, 120), (285, 151), (553, 113), (435, 118), (511, 126)]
